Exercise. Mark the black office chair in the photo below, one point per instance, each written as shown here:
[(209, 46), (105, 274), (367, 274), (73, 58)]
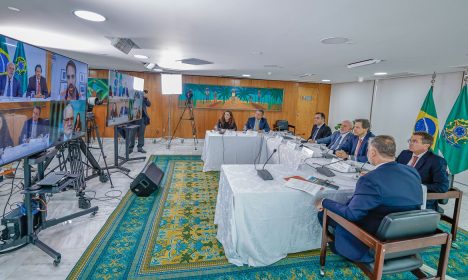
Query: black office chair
[(282, 125), (397, 245)]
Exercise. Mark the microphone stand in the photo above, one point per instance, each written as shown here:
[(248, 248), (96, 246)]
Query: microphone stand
[(263, 173)]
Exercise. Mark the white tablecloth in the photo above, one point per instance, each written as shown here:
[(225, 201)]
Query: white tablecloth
[(260, 222), (232, 148)]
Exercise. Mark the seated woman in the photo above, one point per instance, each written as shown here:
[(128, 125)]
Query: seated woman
[(226, 122)]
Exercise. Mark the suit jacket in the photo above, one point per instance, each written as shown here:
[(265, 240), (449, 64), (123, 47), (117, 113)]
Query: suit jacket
[(330, 140), (145, 117), (350, 147), (433, 171), (17, 91), (123, 111), (324, 131), (390, 188), (32, 86), (263, 125), (42, 128)]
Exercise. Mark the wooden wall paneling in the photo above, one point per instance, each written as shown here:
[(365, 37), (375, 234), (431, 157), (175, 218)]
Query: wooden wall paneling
[(306, 109), (205, 119)]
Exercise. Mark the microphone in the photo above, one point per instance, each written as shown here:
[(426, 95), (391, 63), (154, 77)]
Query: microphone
[(324, 170), (263, 173)]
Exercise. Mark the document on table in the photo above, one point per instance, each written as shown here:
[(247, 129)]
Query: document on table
[(302, 184)]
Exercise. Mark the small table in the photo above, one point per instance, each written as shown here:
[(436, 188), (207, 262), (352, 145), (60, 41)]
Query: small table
[(232, 147)]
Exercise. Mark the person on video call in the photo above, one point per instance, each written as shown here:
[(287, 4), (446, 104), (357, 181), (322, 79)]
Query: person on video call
[(5, 138), (71, 92), (226, 121), (114, 113), (68, 123), (124, 110), (258, 123), (34, 127), (9, 85), (37, 85), (77, 126)]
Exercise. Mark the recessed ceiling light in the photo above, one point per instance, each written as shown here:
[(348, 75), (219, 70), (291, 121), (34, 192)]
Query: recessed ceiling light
[(334, 40), (142, 56), (269, 73), (14, 9), (91, 16), (246, 75), (360, 79), (380, 74), (326, 81)]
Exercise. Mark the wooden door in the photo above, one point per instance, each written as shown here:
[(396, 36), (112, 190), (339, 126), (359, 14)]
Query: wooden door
[(306, 107)]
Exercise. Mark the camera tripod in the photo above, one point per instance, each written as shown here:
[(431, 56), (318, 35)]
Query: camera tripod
[(92, 130), (189, 107)]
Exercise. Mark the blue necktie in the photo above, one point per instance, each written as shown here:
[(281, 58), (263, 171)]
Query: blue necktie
[(8, 87), (336, 143), (315, 133)]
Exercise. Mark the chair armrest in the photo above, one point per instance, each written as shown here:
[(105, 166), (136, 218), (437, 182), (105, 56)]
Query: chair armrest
[(452, 193), (352, 228), (291, 126)]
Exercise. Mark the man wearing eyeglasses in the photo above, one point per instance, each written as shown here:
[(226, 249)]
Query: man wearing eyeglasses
[(9, 85), (68, 122), (431, 167)]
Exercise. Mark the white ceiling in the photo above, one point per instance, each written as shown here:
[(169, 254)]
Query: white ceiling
[(242, 36)]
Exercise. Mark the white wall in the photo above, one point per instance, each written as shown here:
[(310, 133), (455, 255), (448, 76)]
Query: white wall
[(396, 104), (350, 101)]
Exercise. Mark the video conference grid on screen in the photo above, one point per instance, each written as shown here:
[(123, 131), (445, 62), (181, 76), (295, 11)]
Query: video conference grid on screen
[(125, 98), (42, 99)]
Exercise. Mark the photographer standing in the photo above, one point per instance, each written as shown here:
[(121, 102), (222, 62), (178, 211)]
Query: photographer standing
[(143, 122)]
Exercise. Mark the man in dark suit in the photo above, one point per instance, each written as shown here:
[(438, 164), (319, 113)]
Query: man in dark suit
[(432, 168), (320, 129), (357, 148), (37, 85), (9, 85), (390, 188), (34, 127), (123, 110), (145, 120), (257, 123), (339, 138)]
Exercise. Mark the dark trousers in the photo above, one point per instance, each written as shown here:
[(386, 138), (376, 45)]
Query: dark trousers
[(140, 134)]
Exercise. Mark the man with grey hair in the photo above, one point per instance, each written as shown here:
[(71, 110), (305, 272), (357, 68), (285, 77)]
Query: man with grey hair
[(68, 121), (9, 85), (340, 137), (390, 188)]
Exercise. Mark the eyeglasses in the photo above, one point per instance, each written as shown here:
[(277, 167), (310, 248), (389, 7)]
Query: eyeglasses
[(70, 76)]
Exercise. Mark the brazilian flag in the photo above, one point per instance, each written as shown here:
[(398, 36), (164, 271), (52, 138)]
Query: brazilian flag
[(454, 137), (21, 73), (4, 57), (427, 119)]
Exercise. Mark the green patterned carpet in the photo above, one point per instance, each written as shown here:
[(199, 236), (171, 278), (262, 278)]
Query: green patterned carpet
[(171, 234)]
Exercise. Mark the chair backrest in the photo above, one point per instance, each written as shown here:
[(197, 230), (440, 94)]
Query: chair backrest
[(282, 124), (408, 224)]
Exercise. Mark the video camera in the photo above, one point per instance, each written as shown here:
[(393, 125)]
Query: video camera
[(189, 96), (92, 101)]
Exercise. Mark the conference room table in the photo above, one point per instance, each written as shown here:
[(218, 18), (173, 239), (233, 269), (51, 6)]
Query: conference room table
[(236, 147), (260, 222)]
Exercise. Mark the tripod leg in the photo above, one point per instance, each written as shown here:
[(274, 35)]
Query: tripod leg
[(96, 130), (194, 128), (177, 126)]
